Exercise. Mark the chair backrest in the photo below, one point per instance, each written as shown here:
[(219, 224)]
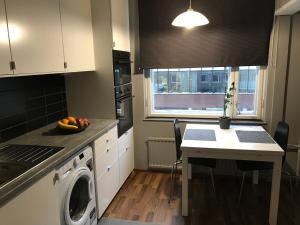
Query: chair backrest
[(178, 139), (282, 135)]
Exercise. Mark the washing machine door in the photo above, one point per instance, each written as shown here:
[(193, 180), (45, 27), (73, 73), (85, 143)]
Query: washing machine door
[(78, 197)]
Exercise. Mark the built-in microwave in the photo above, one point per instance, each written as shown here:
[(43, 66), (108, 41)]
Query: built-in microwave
[(122, 67)]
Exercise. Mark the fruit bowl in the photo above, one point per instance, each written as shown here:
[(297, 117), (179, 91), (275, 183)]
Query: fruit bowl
[(71, 125)]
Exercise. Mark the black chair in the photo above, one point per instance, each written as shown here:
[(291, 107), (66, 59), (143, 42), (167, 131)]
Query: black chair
[(211, 163), (281, 137)]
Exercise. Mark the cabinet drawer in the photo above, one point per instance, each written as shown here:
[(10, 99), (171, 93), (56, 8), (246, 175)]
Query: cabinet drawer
[(106, 141), (107, 187), (125, 141), (106, 158)]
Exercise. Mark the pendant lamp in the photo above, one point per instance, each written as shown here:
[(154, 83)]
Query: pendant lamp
[(190, 19)]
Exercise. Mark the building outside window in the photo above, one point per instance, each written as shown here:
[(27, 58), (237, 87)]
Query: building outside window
[(199, 92)]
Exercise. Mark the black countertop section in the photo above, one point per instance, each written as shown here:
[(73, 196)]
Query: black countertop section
[(72, 143)]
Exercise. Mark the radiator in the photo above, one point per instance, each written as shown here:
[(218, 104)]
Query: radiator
[(161, 152)]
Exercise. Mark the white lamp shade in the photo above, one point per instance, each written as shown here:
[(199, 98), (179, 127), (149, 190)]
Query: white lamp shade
[(190, 19)]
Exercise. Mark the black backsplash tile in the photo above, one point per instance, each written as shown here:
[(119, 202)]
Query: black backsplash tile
[(14, 131), (12, 121), (55, 116), (36, 113), (35, 103), (54, 98), (28, 103), (36, 123)]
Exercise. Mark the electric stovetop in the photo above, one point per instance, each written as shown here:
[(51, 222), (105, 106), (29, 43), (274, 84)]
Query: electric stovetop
[(17, 159)]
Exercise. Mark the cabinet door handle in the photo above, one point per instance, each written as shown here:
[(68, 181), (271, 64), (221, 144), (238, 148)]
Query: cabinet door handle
[(107, 140), (107, 150), (56, 178), (108, 168), (126, 148), (12, 65)]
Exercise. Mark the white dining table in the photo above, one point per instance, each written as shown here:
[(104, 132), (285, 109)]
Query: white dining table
[(227, 145)]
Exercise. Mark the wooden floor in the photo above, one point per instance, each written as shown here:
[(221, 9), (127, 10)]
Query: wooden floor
[(144, 197)]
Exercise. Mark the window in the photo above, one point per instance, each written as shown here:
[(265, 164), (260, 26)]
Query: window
[(247, 90), (203, 78), (215, 78), (199, 92)]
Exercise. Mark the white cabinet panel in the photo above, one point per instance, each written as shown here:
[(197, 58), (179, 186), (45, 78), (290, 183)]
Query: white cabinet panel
[(77, 35), (114, 161), (37, 205), (126, 165), (4, 43), (107, 187), (106, 168), (35, 36), (120, 24), (126, 155)]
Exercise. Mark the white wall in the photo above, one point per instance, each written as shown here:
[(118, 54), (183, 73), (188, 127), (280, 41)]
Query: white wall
[(277, 67), (275, 90), (293, 92)]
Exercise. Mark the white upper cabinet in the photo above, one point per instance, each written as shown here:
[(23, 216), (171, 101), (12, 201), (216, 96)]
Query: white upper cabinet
[(77, 33), (120, 24), (4, 43), (287, 7), (35, 36)]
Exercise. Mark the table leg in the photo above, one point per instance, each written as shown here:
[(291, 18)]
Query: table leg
[(185, 186), (298, 166), (190, 171), (276, 178), (255, 177)]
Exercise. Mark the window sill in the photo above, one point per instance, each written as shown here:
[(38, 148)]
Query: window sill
[(207, 121)]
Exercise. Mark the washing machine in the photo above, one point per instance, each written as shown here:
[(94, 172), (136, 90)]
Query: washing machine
[(76, 190)]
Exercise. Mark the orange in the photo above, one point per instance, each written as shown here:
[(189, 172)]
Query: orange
[(65, 121), (72, 119)]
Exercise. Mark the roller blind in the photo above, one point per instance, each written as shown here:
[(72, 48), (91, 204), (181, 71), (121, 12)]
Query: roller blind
[(238, 33)]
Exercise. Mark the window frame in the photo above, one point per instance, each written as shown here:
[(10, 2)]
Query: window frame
[(233, 77)]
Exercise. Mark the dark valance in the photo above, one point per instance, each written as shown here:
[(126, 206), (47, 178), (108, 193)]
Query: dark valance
[(238, 33)]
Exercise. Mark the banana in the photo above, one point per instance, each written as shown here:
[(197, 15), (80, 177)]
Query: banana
[(66, 126)]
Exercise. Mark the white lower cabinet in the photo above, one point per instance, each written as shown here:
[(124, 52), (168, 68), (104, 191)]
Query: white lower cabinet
[(37, 205), (106, 169), (126, 155), (108, 186), (114, 161)]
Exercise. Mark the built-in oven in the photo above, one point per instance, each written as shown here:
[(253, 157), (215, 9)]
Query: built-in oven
[(124, 108), (123, 90), (122, 67)]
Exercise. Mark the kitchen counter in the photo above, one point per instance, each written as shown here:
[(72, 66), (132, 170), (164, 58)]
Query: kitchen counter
[(46, 136)]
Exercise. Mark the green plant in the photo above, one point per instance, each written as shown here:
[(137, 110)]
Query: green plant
[(228, 95)]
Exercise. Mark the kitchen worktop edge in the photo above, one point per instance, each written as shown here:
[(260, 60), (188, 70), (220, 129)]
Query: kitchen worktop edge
[(72, 144)]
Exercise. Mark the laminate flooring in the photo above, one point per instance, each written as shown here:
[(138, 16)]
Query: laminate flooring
[(144, 197)]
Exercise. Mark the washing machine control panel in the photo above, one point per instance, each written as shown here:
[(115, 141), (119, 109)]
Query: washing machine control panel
[(81, 159)]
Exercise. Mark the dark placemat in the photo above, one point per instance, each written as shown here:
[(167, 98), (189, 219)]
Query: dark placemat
[(254, 137), (200, 135)]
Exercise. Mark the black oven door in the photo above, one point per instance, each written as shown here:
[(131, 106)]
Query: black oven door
[(124, 114)]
